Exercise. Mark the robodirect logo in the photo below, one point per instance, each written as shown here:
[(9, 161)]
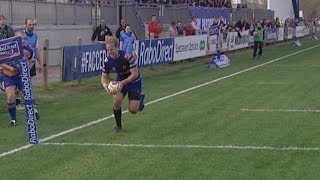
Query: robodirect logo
[(25, 80), (9, 49), (161, 52), (32, 129)]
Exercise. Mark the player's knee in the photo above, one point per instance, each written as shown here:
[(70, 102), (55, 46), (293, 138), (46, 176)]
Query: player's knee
[(116, 103), (133, 110)]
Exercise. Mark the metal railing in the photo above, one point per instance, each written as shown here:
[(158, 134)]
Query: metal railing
[(54, 13)]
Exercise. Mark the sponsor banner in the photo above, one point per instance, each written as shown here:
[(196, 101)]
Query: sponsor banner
[(250, 39), (213, 42), (82, 61), (10, 49), (307, 31), (238, 42), (300, 31), (271, 34), (190, 47), (28, 102), (290, 33), (280, 34), (155, 51), (232, 37), (205, 16)]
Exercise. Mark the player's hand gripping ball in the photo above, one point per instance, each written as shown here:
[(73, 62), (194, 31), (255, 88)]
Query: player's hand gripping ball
[(255, 33), (113, 87)]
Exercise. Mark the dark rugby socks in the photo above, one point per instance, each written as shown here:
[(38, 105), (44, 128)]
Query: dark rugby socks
[(117, 116), (12, 110)]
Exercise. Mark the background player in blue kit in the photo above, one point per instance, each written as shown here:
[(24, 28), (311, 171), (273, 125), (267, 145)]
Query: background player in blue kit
[(125, 66), (127, 39)]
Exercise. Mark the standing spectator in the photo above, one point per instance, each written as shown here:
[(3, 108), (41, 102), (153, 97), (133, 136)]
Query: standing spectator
[(179, 28), (240, 26), (228, 4), (127, 39), (5, 30), (101, 32), (154, 27), (246, 24), (121, 28), (258, 34), (32, 41), (189, 30), (173, 32), (195, 25)]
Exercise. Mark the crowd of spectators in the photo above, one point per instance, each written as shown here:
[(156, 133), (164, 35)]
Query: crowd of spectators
[(204, 3), (243, 24)]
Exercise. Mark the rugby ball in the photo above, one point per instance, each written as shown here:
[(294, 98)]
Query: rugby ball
[(113, 87)]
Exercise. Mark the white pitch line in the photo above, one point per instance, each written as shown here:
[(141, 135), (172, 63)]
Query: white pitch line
[(154, 101), (189, 146), (282, 110)]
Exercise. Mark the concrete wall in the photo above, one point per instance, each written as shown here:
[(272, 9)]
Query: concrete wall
[(282, 9), (310, 8), (63, 35)]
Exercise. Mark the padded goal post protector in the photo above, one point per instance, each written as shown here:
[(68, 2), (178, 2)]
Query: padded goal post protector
[(11, 49)]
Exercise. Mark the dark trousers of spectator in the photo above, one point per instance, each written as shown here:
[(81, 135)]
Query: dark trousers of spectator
[(257, 44)]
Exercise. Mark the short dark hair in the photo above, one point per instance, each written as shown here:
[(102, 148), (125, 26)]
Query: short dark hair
[(26, 20), (127, 25), (2, 16)]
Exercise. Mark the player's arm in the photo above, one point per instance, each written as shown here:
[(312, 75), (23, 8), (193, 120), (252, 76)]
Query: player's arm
[(105, 80), (8, 67), (121, 41), (134, 75)]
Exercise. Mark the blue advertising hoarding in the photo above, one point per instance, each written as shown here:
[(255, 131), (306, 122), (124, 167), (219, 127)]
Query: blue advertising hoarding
[(82, 61), (205, 16), (11, 49), (155, 51)]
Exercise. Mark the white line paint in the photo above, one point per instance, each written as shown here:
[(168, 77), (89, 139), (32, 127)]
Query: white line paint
[(154, 101), (282, 110), (188, 146)]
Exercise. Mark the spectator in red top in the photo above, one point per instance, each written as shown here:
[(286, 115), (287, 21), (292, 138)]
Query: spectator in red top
[(189, 30), (154, 27)]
